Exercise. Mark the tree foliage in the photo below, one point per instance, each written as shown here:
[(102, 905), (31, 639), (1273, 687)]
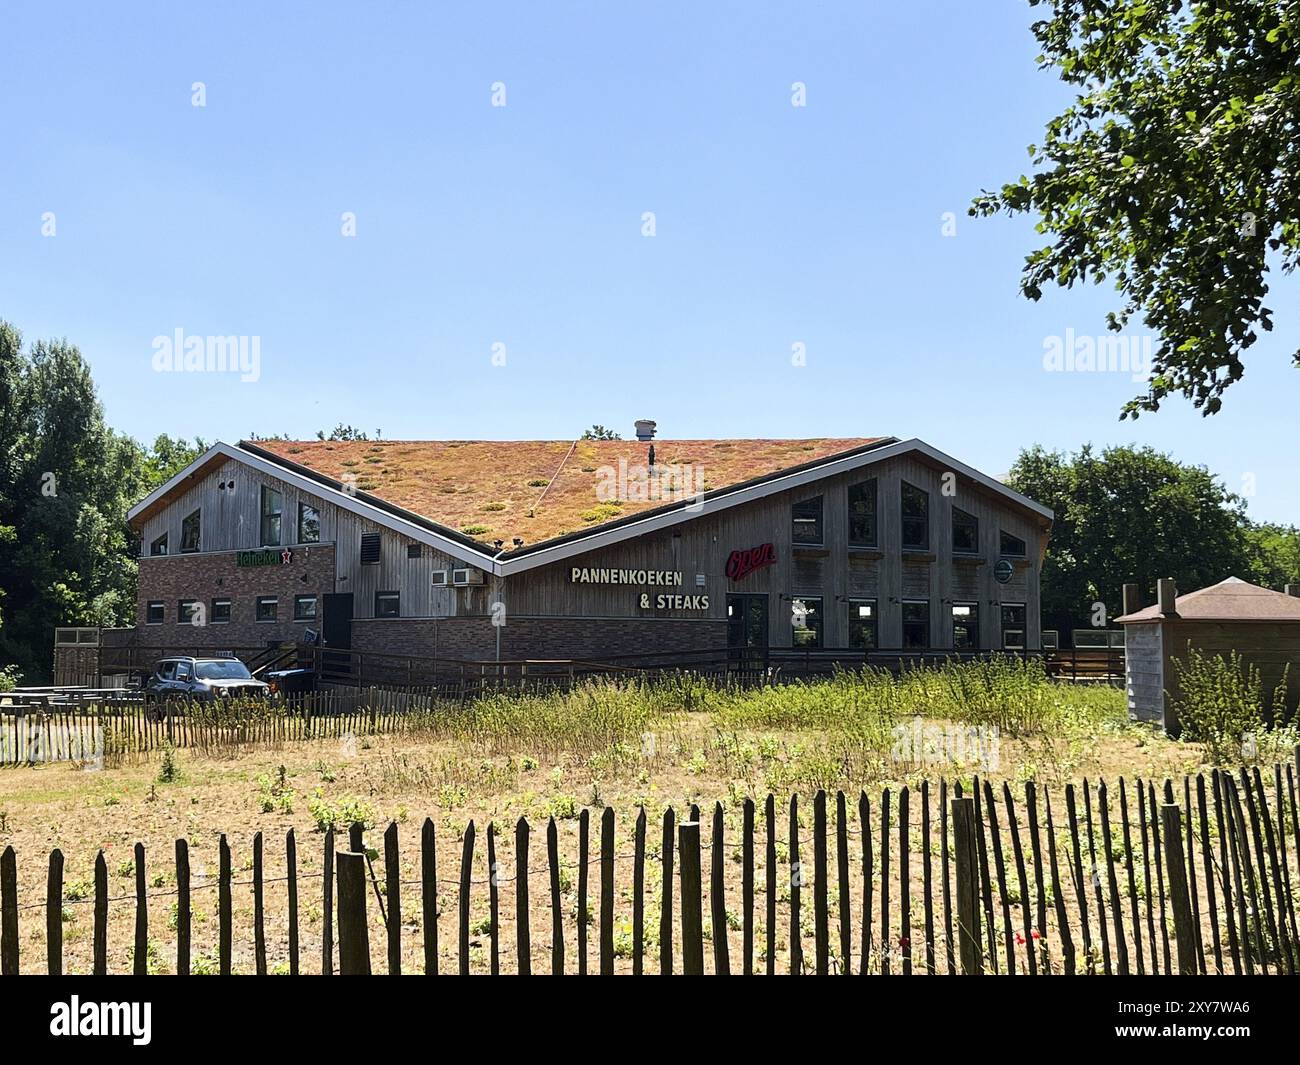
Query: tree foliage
[(1174, 174), (599, 432), (1134, 514)]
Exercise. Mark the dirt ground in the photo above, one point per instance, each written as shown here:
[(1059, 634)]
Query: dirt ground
[(83, 811)]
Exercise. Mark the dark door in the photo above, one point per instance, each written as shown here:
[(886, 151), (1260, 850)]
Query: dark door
[(336, 631), (747, 628)]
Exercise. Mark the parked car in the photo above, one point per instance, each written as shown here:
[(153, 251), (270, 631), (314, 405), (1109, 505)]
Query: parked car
[(291, 681), (203, 678)]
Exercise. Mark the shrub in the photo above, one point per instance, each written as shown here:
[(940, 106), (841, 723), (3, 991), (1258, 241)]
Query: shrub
[(1220, 702)]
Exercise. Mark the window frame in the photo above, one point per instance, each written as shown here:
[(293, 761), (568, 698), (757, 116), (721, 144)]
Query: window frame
[(161, 604), (819, 616), (1003, 537), (873, 540), (975, 528), (819, 523), (164, 540), (263, 600), (197, 516), (857, 625), (212, 610), (445, 576), (1004, 628), (277, 515), (388, 594), (904, 518), (972, 624), (181, 605), (299, 600), (302, 534), (925, 644)]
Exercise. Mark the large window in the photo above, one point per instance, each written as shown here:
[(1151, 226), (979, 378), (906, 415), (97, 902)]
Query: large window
[(965, 532), (304, 608), (159, 546), (155, 612), (916, 518), (272, 507), (388, 605), (1010, 545), (308, 524), (806, 517), (1013, 626), (268, 608), (862, 514), (190, 531), (916, 624), (806, 621), (220, 612), (863, 629), (966, 626)]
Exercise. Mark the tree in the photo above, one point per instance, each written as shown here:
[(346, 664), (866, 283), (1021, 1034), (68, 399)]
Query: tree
[(599, 432), (1128, 514), (1175, 173), (1274, 554)]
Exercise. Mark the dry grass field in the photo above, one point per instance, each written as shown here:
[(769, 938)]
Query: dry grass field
[(552, 757)]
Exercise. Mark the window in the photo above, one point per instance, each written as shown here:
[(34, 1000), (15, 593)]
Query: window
[(413, 551), (370, 549), (806, 620), (1011, 545), (221, 611), (862, 624), (1013, 626), (439, 578), (308, 524), (862, 514), (916, 624), (807, 521), (268, 608), (159, 546), (966, 626), (965, 532), (155, 613), (189, 612), (190, 531), (388, 605), (916, 518), (272, 505), (304, 608)]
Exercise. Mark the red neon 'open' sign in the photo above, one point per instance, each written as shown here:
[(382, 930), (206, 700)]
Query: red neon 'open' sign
[(741, 564)]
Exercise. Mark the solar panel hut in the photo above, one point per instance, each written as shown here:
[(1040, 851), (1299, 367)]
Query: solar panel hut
[(1261, 625)]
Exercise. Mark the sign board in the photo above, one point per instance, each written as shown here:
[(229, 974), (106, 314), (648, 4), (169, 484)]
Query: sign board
[(740, 564), (265, 557), (1003, 571)]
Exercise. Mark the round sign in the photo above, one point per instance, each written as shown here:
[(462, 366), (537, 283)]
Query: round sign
[(1003, 571)]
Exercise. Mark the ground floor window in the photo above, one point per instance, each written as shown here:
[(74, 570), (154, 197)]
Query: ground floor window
[(189, 612), (863, 630), (806, 621), (916, 624), (304, 608), (966, 626), (155, 613), (268, 608), (388, 605), (220, 611), (1013, 626)]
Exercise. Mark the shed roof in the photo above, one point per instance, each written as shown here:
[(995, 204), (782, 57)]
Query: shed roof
[(1229, 600)]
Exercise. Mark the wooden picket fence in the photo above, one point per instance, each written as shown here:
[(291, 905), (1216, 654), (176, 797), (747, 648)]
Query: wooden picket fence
[(1140, 879)]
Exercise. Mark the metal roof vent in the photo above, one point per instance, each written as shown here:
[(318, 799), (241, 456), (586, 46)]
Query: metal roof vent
[(645, 429)]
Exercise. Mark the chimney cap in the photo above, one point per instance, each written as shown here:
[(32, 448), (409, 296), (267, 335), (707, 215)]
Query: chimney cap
[(645, 429)]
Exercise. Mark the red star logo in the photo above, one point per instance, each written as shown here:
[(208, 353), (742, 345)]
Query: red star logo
[(286, 556)]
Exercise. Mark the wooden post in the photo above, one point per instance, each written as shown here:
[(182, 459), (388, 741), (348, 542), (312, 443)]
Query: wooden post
[(259, 908), (523, 932), (607, 892), (494, 922), (666, 901), (101, 916), (718, 899), (584, 830), (466, 863), (747, 886), (796, 884), (638, 894), (54, 915), (140, 959), (769, 817), (8, 913), (967, 877), (393, 894), (1171, 820), (354, 936), (821, 911), (327, 911), (557, 912), (291, 882), (429, 895), (688, 837)]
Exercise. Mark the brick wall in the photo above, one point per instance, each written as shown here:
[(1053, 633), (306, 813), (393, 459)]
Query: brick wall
[(203, 576)]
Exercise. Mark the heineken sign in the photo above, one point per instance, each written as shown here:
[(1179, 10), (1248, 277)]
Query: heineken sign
[(1003, 571), (268, 557)]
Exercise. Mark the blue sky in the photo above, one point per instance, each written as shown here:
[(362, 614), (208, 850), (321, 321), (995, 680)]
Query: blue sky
[(522, 226)]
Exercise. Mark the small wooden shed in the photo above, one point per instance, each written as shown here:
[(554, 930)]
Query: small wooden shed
[(1261, 625)]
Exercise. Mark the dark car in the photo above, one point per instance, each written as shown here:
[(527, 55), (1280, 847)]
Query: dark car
[(203, 678)]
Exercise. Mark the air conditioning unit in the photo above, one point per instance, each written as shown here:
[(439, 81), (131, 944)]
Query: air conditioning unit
[(463, 577), (440, 578)]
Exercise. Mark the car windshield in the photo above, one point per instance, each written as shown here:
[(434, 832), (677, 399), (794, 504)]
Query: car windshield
[(231, 670)]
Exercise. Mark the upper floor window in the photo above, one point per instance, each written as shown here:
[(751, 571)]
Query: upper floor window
[(159, 546), (308, 524), (806, 518), (1011, 545), (862, 514), (916, 517), (190, 531), (965, 532), (272, 507)]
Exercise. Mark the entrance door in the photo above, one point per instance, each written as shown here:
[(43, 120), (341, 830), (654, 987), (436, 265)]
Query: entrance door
[(747, 628), (336, 631)]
